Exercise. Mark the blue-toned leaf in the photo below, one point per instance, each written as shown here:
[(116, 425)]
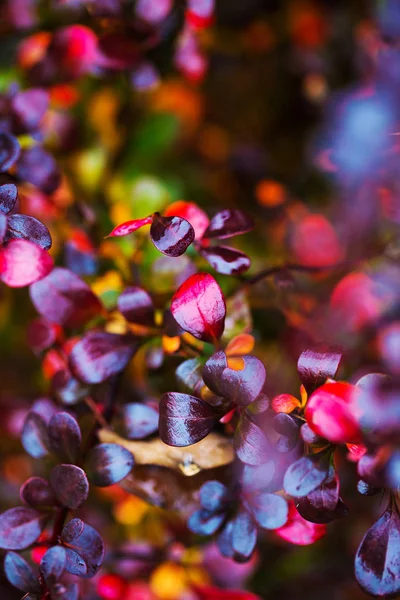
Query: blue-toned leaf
[(28, 228), (244, 535), (20, 527), (70, 485), (107, 464), (20, 574), (64, 436), (250, 443), (9, 151), (269, 510), (65, 592), (34, 436), (214, 495), (8, 197), (89, 546), (138, 420), (204, 522), (72, 530), (52, 565), (74, 563), (305, 475)]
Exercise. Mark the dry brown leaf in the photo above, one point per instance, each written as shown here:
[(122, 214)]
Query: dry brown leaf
[(212, 452)]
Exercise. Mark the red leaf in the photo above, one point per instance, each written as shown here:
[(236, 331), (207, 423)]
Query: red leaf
[(129, 227), (300, 532), (198, 306), (23, 263)]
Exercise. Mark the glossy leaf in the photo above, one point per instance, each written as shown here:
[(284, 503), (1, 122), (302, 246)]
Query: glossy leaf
[(226, 260), (250, 443), (323, 505), (28, 228), (19, 528), (285, 403), (298, 531), (107, 464), (130, 226), (52, 565), (8, 197), (20, 574), (198, 306), (240, 386), (23, 262), (37, 492), (34, 436), (192, 213), (136, 305), (171, 235), (74, 563), (64, 436), (184, 419), (188, 376), (99, 355), (87, 543), (269, 510), (64, 298), (228, 223), (305, 475), (213, 496), (377, 563), (331, 413), (9, 151), (70, 485), (315, 366), (37, 166), (138, 420)]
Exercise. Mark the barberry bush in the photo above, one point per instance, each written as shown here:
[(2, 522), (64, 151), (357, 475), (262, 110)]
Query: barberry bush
[(200, 374)]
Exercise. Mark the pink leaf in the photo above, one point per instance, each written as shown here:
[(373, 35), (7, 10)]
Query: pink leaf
[(23, 262), (129, 227), (198, 306)]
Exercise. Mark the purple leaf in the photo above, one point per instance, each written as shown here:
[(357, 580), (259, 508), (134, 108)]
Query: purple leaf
[(34, 436), (198, 306), (64, 436), (226, 260), (258, 479), (8, 197), (377, 563), (65, 592), (39, 168), (315, 366), (70, 485), (138, 420), (269, 510), (204, 522), (23, 262), (214, 496), (228, 223), (37, 492), (64, 298), (41, 334), (9, 151), (99, 355), (171, 235), (52, 565), (29, 108), (305, 475), (239, 386), (88, 545), (3, 227), (20, 574), (250, 443), (28, 228), (72, 530), (136, 305), (323, 505), (289, 430), (130, 226), (107, 464), (19, 528), (184, 419)]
